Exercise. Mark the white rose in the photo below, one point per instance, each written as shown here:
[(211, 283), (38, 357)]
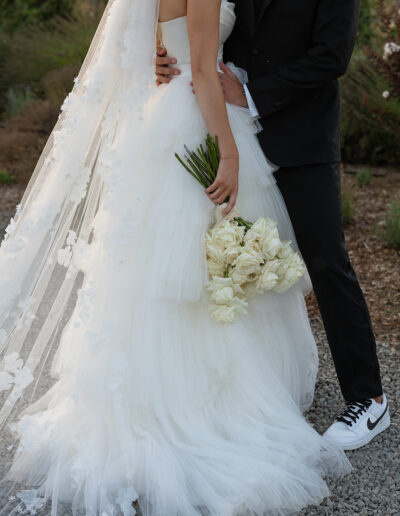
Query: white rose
[(255, 244), (271, 245), (216, 262), (218, 283), (266, 231), (249, 261), (253, 237), (229, 300), (290, 272), (269, 277), (215, 268), (228, 313), (223, 296), (223, 313), (220, 208), (239, 278), (227, 234), (261, 227), (231, 253), (286, 250), (213, 251)]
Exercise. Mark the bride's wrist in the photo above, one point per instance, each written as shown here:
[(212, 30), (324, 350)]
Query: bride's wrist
[(230, 156), (228, 152)]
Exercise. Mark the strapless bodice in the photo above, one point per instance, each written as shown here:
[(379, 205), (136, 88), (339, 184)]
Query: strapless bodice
[(176, 39)]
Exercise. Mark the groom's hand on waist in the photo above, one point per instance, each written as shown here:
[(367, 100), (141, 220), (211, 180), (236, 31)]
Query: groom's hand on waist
[(233, 89), (164, 72)]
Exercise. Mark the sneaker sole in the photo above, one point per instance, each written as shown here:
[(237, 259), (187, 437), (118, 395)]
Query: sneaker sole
[(381, 427)]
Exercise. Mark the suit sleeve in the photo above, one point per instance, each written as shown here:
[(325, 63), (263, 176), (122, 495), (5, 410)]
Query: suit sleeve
[(334, 35)]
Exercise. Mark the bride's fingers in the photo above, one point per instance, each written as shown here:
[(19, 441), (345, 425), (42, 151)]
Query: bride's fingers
[(220, 200), (217, 194), (221, 197), (231, 204), (212, 187)]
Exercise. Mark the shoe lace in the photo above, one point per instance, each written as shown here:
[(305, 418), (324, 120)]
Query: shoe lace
[(353, 411)]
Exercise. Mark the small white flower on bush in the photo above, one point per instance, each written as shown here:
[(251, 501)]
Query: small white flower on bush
[(386, 94), (389, 49)]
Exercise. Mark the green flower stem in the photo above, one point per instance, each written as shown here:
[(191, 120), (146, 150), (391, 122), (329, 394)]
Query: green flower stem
[(204, 162), (243, 222)]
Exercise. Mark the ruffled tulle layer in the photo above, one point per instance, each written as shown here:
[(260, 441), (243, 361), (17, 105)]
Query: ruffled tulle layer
[(155, 400)]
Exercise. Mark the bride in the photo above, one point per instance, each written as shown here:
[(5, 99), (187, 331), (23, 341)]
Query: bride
[(120, 393)]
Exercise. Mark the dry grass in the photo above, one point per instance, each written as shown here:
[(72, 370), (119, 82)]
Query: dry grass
[(58, 83), (23, 137)]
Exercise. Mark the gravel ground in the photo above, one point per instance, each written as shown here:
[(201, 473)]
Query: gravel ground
[(373, 488)]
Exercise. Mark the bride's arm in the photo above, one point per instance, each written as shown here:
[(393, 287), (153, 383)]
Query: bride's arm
[(203, 25)]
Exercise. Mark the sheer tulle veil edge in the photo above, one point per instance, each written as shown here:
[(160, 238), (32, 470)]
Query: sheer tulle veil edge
[(40, 270)]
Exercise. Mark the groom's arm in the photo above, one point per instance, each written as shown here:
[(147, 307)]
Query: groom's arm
[(334, 35)]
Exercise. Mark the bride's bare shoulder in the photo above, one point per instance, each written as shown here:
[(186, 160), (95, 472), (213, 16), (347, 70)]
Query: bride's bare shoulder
[(171, 9)]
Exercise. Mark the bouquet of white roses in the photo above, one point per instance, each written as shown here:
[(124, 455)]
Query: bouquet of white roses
[(243, 258)]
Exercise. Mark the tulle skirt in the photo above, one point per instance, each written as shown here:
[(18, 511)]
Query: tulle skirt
[(154, 400)]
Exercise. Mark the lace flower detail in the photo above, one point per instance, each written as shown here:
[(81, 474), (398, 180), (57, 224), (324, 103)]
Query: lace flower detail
[(33, 503), (14, 373)]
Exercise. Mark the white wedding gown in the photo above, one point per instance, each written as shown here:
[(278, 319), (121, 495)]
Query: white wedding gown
[(154, 400)]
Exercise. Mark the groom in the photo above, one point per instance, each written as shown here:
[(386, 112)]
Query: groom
[(294, 51)]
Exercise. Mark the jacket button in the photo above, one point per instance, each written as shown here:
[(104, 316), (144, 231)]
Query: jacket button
[(255, 52), (279, 103)]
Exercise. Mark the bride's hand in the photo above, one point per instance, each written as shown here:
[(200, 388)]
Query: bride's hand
[(226, 183)]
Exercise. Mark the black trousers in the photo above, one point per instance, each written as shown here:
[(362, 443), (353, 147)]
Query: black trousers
[(313, 199)]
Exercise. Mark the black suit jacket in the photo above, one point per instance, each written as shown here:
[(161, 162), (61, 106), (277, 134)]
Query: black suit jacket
[(294, 53)]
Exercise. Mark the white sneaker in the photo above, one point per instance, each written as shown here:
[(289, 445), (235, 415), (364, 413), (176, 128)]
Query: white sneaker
[(359, 423)]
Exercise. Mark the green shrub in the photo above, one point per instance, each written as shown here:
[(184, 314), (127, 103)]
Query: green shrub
[(36, 51), (364, 177), (17, 98), (367, 33), (347, 207), (14, 13), (6, 178), (371, 89), (370, 122), (391, 232)]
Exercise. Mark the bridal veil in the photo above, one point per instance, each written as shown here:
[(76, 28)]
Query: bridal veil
[(40, 266)]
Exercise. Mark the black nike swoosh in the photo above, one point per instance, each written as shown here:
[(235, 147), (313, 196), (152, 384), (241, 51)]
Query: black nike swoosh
[(372, 425)]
